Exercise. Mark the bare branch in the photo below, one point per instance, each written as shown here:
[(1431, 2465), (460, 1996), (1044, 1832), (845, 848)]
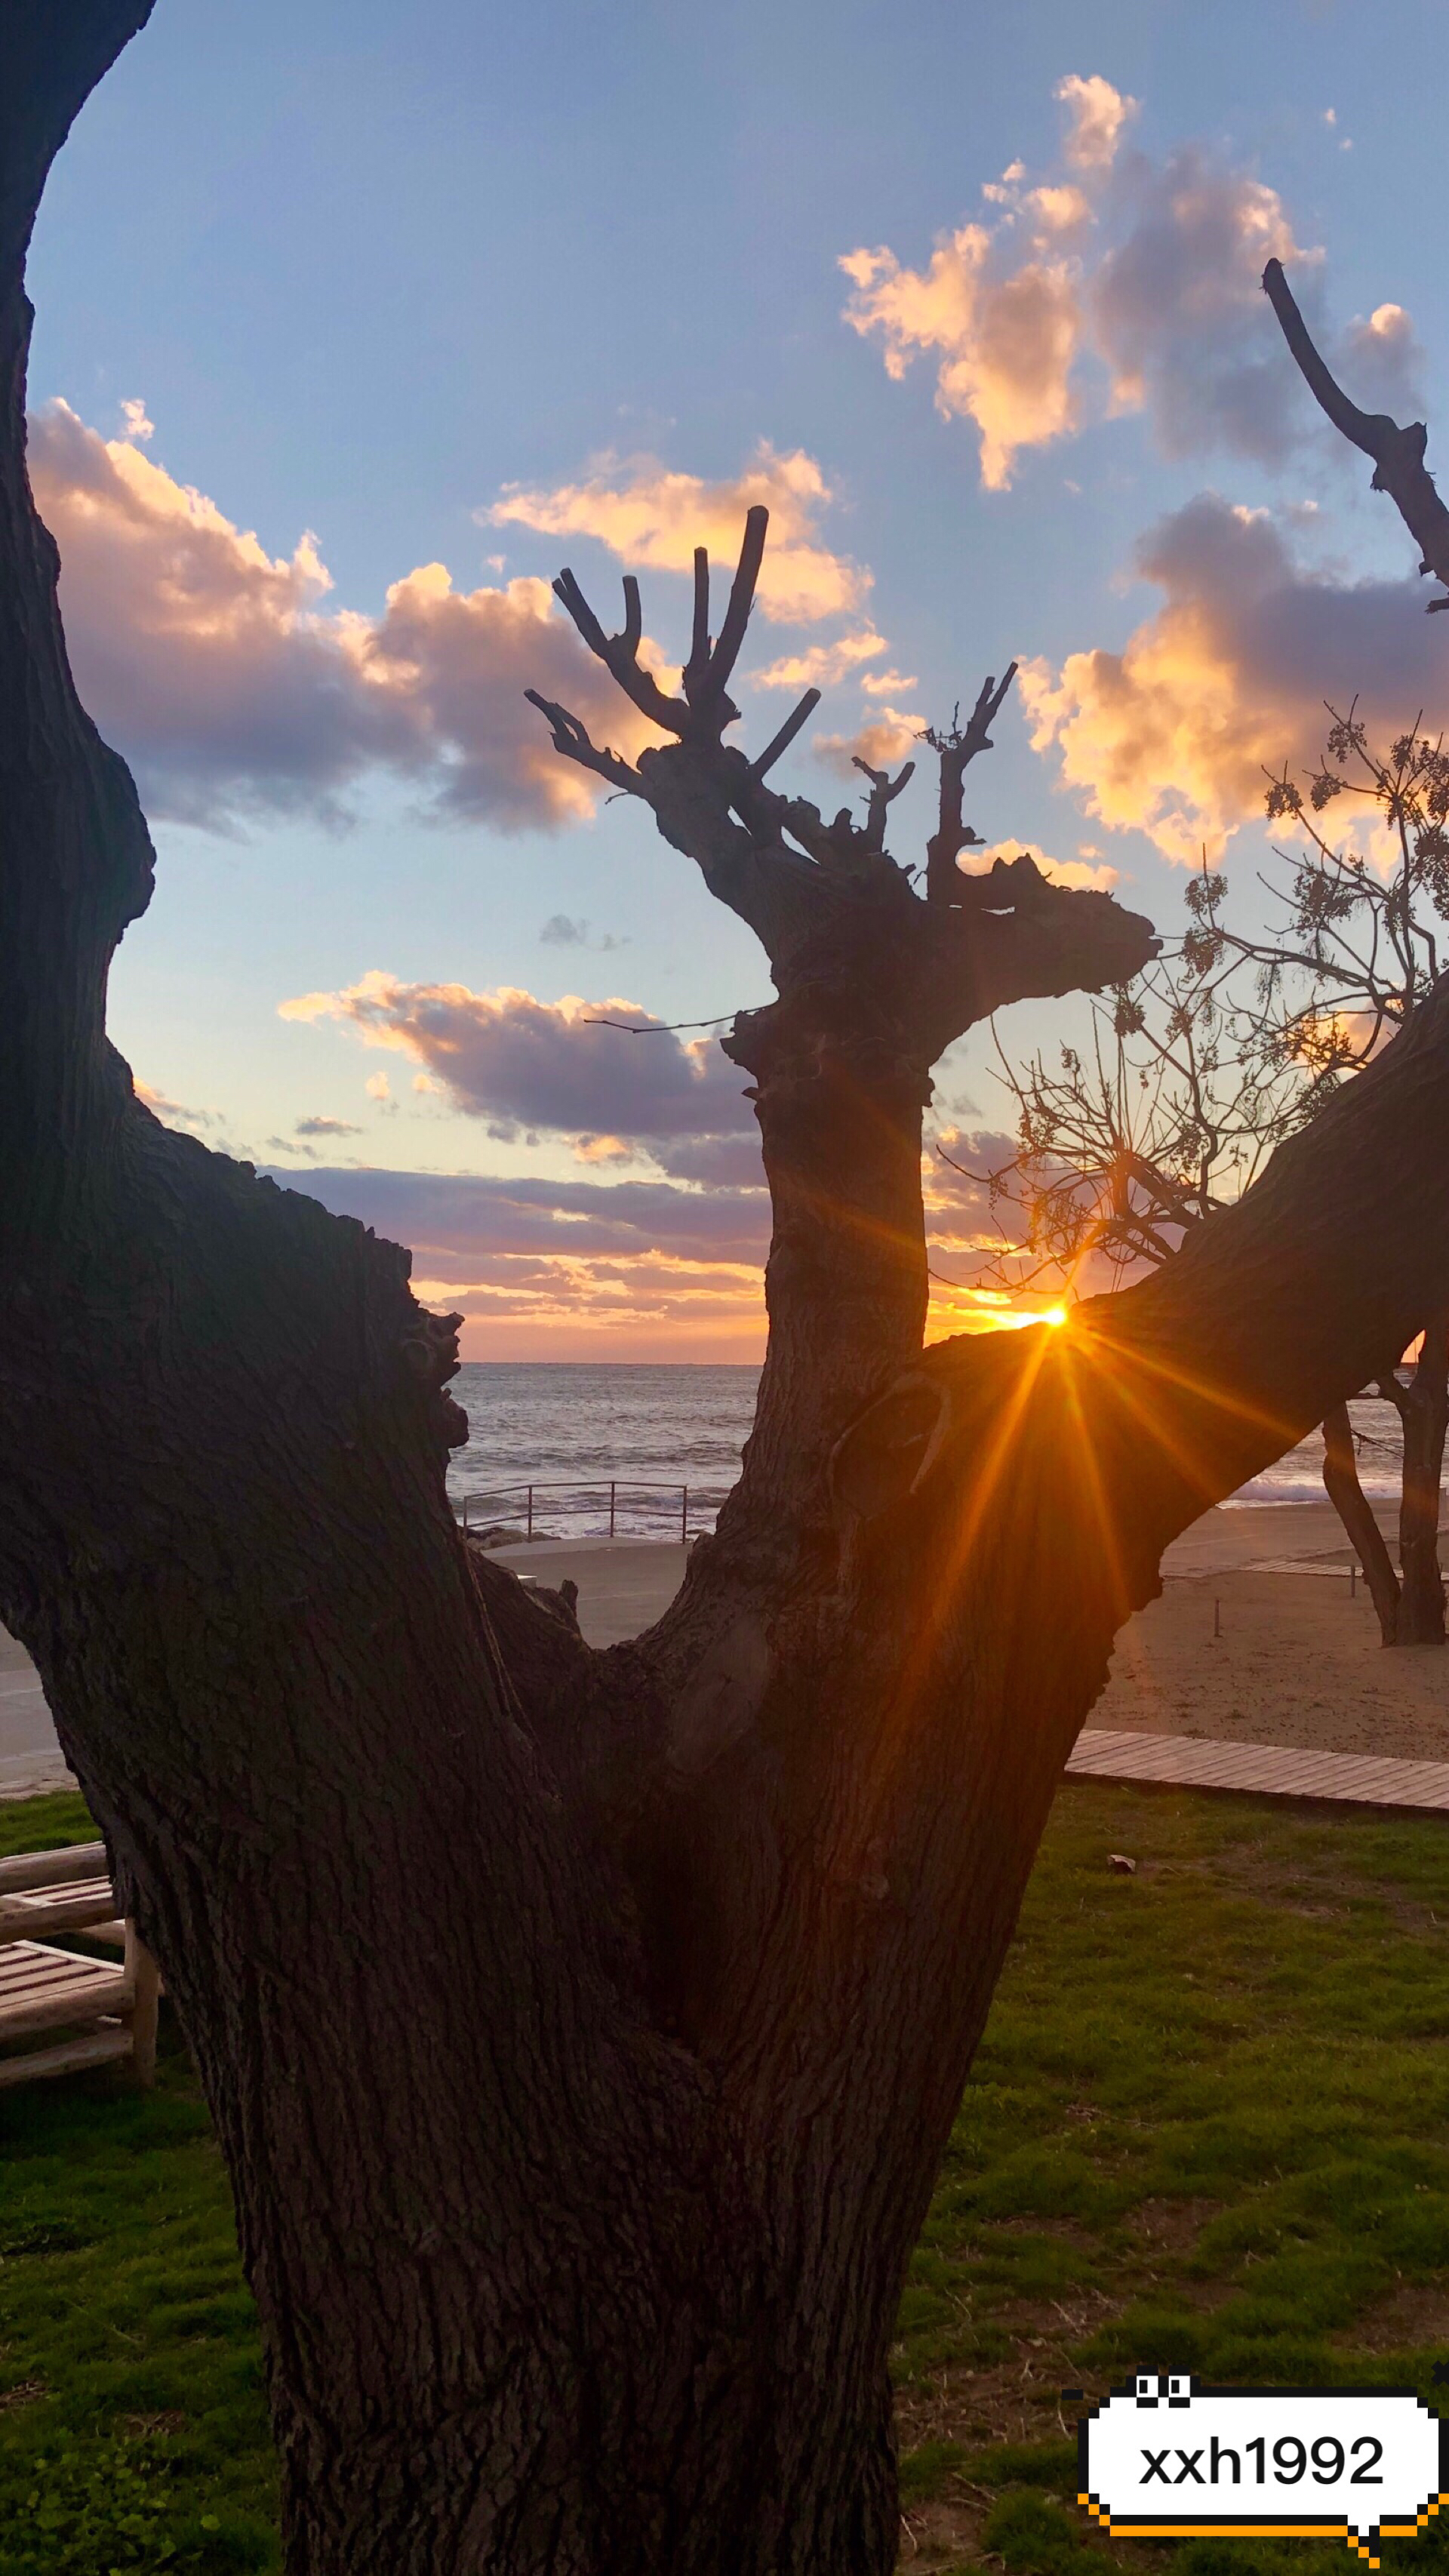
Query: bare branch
[(957, 749), (883, 792), (571, 738), (1398, 454), (742, 599), (780, 744), (619, 653), (696, 669)]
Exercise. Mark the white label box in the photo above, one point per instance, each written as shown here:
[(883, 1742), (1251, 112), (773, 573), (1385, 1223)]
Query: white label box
[(1164, 2458)]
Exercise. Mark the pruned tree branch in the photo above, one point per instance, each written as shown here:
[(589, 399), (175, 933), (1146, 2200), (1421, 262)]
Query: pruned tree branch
[(883, 792), (780, 743), (570, 736), (1398, 454), (957, 749)]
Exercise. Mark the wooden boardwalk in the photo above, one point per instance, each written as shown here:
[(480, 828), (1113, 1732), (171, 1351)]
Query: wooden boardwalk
[(1267, 1770)]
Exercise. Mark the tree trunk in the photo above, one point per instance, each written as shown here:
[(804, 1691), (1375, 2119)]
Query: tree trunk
[(583, 2029), (1340, 1478), (1425, 1418)]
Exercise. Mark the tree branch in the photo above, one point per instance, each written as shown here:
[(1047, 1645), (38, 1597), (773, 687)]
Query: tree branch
[(620, 653), (1398, 454), (957, 750), (571, 738), (883, 792), (780, 743)]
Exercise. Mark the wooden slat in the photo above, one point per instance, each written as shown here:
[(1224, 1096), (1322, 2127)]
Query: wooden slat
[(1271, 1770), (99, 2048), (41, 1989), (39, 1910), (52, 1868)]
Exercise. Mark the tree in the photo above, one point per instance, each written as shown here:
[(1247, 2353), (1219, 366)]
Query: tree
[(582, 2029), (1195, 1073), (1353, 953), (1164, 1118)]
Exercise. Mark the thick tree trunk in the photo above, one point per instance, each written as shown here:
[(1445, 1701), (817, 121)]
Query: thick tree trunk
[(583, 2029), (1340, 1479), (1425, 1418)]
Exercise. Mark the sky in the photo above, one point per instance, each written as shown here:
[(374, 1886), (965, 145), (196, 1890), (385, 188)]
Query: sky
[(355, 324)]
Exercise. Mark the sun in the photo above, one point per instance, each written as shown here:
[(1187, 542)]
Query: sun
[(1054, 1315)]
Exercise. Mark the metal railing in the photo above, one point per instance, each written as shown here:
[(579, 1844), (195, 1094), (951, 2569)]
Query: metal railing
[(617, 1488)]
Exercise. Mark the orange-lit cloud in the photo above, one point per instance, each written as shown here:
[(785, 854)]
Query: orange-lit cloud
[(1123, 285), (1097, 114), (1228, 678), (625, 1270), (889, 736), (634, 1269), (823, 666), (233, 687), (1005, 336), (1076, 873), (651, 517)]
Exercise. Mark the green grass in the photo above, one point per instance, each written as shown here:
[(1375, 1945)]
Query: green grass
[(1208, 2126), (133, 2433)]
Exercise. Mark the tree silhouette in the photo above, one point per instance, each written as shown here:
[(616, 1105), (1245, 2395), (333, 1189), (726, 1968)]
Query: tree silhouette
[(582, 2029)]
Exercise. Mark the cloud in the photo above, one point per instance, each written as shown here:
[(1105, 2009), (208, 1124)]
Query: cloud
[(543, 1269), (653, 518), (632, 1269), (377, 1086), (1129, 285), (1063, 872), (1228, 678), (1177, 312), (133, 413), (561, 931), (881, 742), (823, 666), (1384, 363), (234, 689), (520, 1063), (1006, 336), (1097, 115), (318, 1126), (174, 1113)]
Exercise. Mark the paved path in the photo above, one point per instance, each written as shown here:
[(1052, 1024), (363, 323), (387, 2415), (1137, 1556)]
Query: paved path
[(30, 1757), (1268, 1770)]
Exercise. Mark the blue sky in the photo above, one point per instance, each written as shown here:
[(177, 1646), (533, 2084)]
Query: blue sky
[(367, 271)]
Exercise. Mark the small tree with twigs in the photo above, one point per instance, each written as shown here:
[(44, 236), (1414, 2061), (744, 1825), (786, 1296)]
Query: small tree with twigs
[(1163, 1117), (1355, 948)]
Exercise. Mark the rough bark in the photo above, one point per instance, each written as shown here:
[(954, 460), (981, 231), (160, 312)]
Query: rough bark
[(1340, 1479), (583, 2029), (1424, 1411)]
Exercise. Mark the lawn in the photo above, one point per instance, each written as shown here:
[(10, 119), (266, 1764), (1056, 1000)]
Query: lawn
[(1208, 2126)]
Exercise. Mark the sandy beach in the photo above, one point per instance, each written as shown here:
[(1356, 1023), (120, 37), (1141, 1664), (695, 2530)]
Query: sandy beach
[(1296, 1660)]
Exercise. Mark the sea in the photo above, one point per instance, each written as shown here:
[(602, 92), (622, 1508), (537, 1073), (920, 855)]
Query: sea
[(575, 1450)]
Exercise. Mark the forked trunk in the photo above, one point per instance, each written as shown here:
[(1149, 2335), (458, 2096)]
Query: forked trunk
[(583, 2029)]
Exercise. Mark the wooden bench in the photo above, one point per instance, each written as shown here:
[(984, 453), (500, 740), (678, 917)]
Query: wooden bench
[(110, 2006)]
